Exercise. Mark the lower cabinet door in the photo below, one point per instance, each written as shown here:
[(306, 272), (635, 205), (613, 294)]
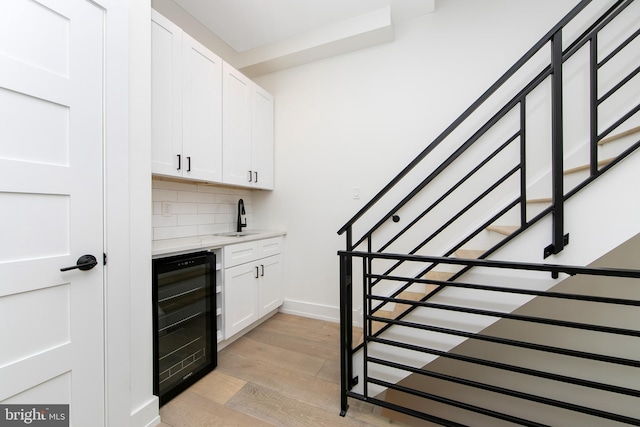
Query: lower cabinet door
[(270, 292), (240, 297)]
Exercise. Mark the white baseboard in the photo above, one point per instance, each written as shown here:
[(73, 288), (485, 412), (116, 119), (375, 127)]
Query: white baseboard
[(313, 311), (146, 415)]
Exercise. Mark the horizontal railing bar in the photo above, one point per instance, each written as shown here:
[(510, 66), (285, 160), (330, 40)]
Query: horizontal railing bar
[(546, 72), (622, 82), (595, 28), (602, 170), (513, 343), (511, 368), (451, 190), (486, 95), (457, 403), (454, 218), (619, 48), (482, 227), (405, 410), (568, 269), (442, 166), (510, 316), (506, 391), (620, 121), (546, 294)]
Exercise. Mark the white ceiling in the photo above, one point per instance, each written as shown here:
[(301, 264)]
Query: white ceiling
[(248, 24)]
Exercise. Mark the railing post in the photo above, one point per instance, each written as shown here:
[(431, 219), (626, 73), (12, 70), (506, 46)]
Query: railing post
[(346, 326), (559, 239)]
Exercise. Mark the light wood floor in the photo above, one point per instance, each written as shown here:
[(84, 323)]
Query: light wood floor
[(283, 373)]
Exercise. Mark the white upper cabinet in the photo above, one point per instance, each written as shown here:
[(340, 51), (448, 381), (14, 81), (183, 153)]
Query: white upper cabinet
[(262, 137), (166, 95), (236, 127), (186, 105), (247, 132)]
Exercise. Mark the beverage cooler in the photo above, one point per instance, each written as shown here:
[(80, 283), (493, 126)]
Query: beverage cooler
[(184, 306)]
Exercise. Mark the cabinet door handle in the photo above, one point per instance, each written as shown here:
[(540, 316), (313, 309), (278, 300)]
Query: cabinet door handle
[(262, 266), (188, 163), (257, 271), (256, 180), (250, 176), (179, 162)]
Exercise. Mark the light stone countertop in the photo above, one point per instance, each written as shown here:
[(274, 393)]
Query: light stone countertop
[(167, 247)]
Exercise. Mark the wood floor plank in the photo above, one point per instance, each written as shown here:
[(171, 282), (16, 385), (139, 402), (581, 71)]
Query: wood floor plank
[(300, 362), (218, 386), (277, 409), (330, 371), (296, 343), (190, 409), (318, 331), (310, 389), (284, 373)]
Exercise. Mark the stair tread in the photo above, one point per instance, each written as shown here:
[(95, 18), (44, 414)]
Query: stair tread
[(438, 275), (586, 167), (540, 200), (619, 135), (507, 230), (469, 253)]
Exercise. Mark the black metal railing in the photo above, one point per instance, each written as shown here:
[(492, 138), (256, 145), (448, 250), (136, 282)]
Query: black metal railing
[(517, 104), (490, 143), (595, 356)]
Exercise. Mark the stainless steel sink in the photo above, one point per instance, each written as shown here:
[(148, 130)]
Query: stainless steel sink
[(236, 233)]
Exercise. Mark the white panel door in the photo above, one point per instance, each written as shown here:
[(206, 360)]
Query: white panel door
[(51, 193), (236, 127), (202, 112)]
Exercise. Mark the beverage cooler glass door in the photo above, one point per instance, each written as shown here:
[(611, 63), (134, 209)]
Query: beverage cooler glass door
[(184, 322)]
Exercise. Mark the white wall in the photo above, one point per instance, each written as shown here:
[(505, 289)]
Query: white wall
[(357, 119)]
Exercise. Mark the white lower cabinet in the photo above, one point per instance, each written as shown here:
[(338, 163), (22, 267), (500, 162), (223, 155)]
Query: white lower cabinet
[(253, 284)]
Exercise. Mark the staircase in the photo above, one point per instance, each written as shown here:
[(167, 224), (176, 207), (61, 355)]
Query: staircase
[(464, 321)]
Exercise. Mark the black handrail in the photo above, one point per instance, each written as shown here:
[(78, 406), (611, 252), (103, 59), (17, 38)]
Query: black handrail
[(486, 95), (372, 304), (558, 196)]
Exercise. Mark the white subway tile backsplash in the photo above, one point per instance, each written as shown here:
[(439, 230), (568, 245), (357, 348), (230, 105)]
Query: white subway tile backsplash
[(164, 221), (185, 208), (196, 209), (195, 197), (204, 230), (207, 208), (160, 233), (196, 219), (159, 195)]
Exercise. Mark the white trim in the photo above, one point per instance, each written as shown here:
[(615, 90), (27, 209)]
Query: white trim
[(117, 321), (314, 311), (147, 415)]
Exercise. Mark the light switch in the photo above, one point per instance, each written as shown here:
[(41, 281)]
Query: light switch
[(167, 209), (356, 193)]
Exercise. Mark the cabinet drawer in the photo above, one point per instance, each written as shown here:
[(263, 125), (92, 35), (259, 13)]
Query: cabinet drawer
[(268, 247), (240, 253)]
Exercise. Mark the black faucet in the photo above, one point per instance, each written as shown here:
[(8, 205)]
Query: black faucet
[(242, 219)]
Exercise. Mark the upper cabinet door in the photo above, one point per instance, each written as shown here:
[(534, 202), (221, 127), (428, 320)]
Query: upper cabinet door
[(166, 95), (262, 137), (236, 127), (201, 112)]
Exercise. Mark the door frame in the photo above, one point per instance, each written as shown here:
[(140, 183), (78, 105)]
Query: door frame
[(129, 399)]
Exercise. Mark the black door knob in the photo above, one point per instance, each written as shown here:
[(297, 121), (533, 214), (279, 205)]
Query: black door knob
[(85, 262)]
